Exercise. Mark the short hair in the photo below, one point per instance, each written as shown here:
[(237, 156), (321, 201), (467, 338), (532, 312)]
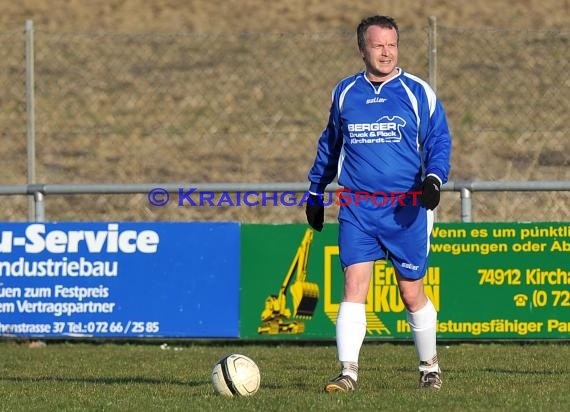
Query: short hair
[(382, 21)]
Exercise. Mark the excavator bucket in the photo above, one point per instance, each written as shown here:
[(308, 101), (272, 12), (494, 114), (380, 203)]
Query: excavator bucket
[(305, 297)]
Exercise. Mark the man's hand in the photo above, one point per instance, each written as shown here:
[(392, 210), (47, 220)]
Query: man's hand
[(315, 212), (430, 193)]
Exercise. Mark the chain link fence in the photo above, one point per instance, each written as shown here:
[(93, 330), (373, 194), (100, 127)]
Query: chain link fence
[(184, 107)]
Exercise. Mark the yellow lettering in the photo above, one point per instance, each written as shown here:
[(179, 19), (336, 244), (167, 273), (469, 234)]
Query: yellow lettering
[(448, 233), (433, 294), (387, 299), (554, 325), (384, 274), (558, 246), (529, 246)]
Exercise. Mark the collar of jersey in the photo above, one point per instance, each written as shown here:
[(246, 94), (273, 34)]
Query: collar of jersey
[(377, 90)]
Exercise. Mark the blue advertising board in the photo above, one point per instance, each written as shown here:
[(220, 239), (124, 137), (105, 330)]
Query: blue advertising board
[(119, 279)]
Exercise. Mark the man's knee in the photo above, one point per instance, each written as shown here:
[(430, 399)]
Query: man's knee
[(357, 281), (412, 293), (414, 299)]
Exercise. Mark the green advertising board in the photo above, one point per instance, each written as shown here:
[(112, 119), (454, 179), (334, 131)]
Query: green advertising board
[(487, 281)]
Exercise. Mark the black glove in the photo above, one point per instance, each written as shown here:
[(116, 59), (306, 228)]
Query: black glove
[(430, 193), (315, 212)]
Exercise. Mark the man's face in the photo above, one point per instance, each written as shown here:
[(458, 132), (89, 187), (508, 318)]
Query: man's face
[(380, 52)]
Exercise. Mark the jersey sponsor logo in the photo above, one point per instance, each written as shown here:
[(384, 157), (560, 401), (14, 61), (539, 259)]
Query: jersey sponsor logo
[(375, 100), (386, 129)]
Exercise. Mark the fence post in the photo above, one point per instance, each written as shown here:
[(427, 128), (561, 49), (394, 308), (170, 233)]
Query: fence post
[(466, 206), (39, 207), (31, 117), (432, 52)]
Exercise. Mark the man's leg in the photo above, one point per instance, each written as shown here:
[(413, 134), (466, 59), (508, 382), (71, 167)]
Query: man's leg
[(422, 318), (351, 325)]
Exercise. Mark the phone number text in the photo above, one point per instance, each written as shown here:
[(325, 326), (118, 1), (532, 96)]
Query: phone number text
[(103, 327)]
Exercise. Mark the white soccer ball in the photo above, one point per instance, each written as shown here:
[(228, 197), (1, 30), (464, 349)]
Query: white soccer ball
[(236, 375)]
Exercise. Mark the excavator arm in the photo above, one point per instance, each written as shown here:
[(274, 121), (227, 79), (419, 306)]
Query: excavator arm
[(305, 295)]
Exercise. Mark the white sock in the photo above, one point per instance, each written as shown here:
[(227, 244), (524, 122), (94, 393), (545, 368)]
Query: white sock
[(423, 325), (350, 332)]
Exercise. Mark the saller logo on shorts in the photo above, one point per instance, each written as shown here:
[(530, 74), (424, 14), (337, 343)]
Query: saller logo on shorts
[(385, 130), (410, 266)]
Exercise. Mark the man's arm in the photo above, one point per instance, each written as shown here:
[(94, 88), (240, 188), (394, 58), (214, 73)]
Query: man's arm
[(437, 145), (324, 167), (437, 152), (329, 147)]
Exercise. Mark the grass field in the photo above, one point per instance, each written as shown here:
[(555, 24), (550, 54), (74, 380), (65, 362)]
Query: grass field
[(176, 376)]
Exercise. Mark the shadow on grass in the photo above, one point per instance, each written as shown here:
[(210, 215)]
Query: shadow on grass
[(519, 372), (471, 371), (100, 380), (500, 371)]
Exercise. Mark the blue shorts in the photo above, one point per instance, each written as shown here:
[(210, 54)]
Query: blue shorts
[(401, 234)]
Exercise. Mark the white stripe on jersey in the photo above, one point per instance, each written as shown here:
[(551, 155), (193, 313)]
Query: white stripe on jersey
[(429, 227), (344, 92), (428, 90)]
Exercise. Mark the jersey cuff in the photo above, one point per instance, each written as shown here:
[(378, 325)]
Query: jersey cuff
[(317, 188), (437, 177)]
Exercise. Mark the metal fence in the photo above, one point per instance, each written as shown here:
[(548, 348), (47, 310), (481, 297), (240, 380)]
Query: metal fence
[(249, 107), (261, 196)]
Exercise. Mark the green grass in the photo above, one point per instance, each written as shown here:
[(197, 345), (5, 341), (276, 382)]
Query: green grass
[(145, 377)]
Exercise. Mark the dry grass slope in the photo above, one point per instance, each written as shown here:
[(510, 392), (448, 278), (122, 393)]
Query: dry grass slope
[(129, 91), (285, 16)]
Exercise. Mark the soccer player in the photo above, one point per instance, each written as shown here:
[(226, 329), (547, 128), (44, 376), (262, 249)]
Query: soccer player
[(387, 135)]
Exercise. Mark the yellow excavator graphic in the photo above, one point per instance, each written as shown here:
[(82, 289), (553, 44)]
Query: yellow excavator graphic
[(276, 316)]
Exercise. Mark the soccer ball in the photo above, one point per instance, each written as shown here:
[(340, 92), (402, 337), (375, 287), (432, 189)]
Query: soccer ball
[(236, 375)]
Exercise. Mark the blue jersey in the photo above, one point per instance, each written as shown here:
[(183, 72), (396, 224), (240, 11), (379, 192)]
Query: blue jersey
[(382, 138)]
